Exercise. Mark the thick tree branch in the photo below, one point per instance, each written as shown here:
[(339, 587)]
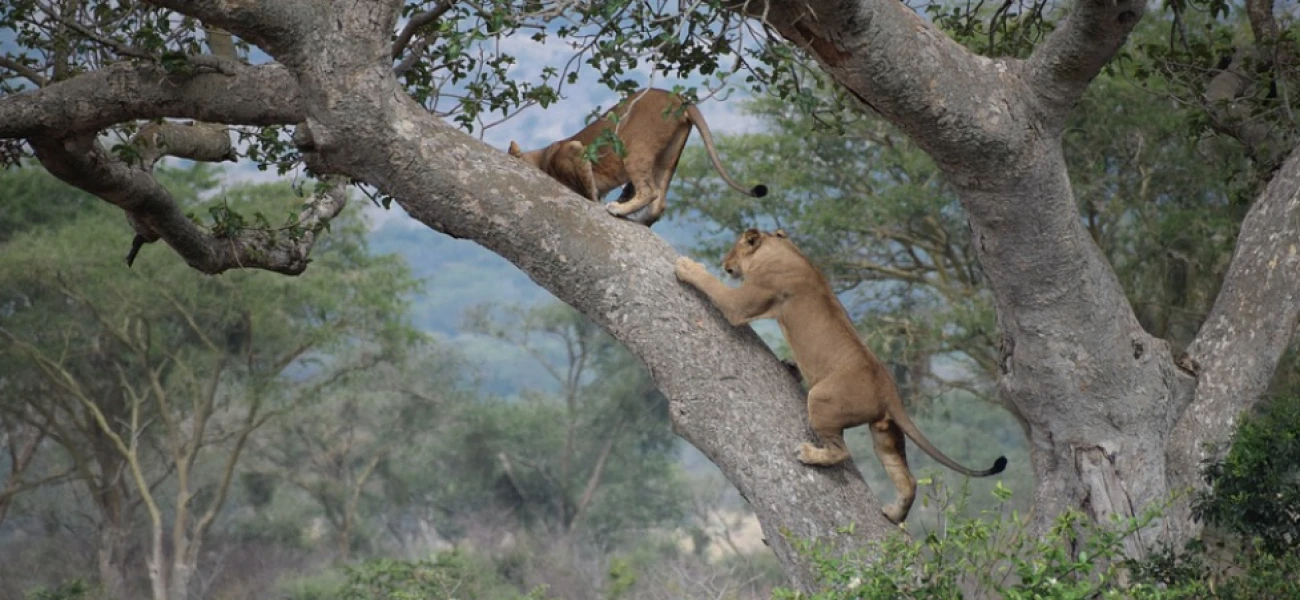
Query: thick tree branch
[(261, 22), (1254, 316), (1061, 68), (1262, 22), (261, 95), (965, 111), (193, 141)]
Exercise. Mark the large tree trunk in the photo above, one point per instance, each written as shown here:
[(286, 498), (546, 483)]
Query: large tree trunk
[(1106, 405)]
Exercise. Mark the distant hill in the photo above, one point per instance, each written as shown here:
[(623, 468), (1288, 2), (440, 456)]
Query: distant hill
[(459, 275)]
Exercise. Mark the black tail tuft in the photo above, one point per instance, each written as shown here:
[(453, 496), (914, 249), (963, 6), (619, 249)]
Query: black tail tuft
[(999, 465), (759, 191)]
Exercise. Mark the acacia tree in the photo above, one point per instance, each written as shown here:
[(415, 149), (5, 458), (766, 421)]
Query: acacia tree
[(149, 387), (596, 462), (1115, 420)]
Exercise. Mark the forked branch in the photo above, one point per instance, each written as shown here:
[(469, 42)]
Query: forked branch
[(1061, 68)]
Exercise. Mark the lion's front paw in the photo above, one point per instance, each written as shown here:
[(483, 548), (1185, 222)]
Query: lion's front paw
[(689, 270)]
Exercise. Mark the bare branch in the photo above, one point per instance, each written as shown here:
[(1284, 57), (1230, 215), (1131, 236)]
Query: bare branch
[(593, 482), (117, 46), (25, 71), (1061, 68)]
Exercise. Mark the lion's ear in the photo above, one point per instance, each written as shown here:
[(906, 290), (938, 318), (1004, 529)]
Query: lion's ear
[(514, 149), (780, 233), (752, 236)]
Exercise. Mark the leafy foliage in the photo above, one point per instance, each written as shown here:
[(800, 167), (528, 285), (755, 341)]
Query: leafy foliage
[(1256, 485), (74, 589), (997, 556), (448, 575), (148, 383)]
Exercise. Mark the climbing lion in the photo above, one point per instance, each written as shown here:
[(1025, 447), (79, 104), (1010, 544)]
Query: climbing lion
[(653, 126), (847, 385)]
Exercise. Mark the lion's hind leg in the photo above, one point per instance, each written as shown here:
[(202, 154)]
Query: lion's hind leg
[(639, 170), (891, 449), (665, 167), (828, 422)]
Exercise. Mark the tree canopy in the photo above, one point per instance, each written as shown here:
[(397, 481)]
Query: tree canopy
[(1117, 398)]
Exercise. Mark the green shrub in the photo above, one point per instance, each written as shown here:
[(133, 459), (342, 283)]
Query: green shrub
[(1254, 498), (993, 556), (450, 575), (74, 589), (322, 585), (1255, 488)]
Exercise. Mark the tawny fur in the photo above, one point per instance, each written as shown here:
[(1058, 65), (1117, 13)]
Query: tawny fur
[(847, 385), (653, 126)]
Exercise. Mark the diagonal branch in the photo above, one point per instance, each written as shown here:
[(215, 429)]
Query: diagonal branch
[(1255, 314), (121, 48), (1061, 68), (593, 482), (25, 71)]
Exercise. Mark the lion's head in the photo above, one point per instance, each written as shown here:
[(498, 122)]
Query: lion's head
[(747, 246)]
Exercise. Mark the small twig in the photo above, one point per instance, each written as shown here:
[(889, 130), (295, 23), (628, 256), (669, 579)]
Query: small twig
[(416, 23)]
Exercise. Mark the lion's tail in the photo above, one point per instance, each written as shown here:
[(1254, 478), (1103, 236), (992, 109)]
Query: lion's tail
[(905, 423), (696, 118)]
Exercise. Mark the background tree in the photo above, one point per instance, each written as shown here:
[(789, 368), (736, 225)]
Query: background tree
[(151, 385), (347, 449), (1116, 419), (595, 454)]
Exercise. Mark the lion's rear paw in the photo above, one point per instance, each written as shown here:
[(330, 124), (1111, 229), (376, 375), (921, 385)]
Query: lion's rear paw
[(895, 513), (810, 454)]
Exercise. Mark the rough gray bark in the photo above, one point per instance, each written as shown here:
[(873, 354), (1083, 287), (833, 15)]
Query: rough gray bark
[(1100, 397)]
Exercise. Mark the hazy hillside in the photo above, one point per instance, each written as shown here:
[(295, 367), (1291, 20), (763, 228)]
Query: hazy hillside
[(459, 275)]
